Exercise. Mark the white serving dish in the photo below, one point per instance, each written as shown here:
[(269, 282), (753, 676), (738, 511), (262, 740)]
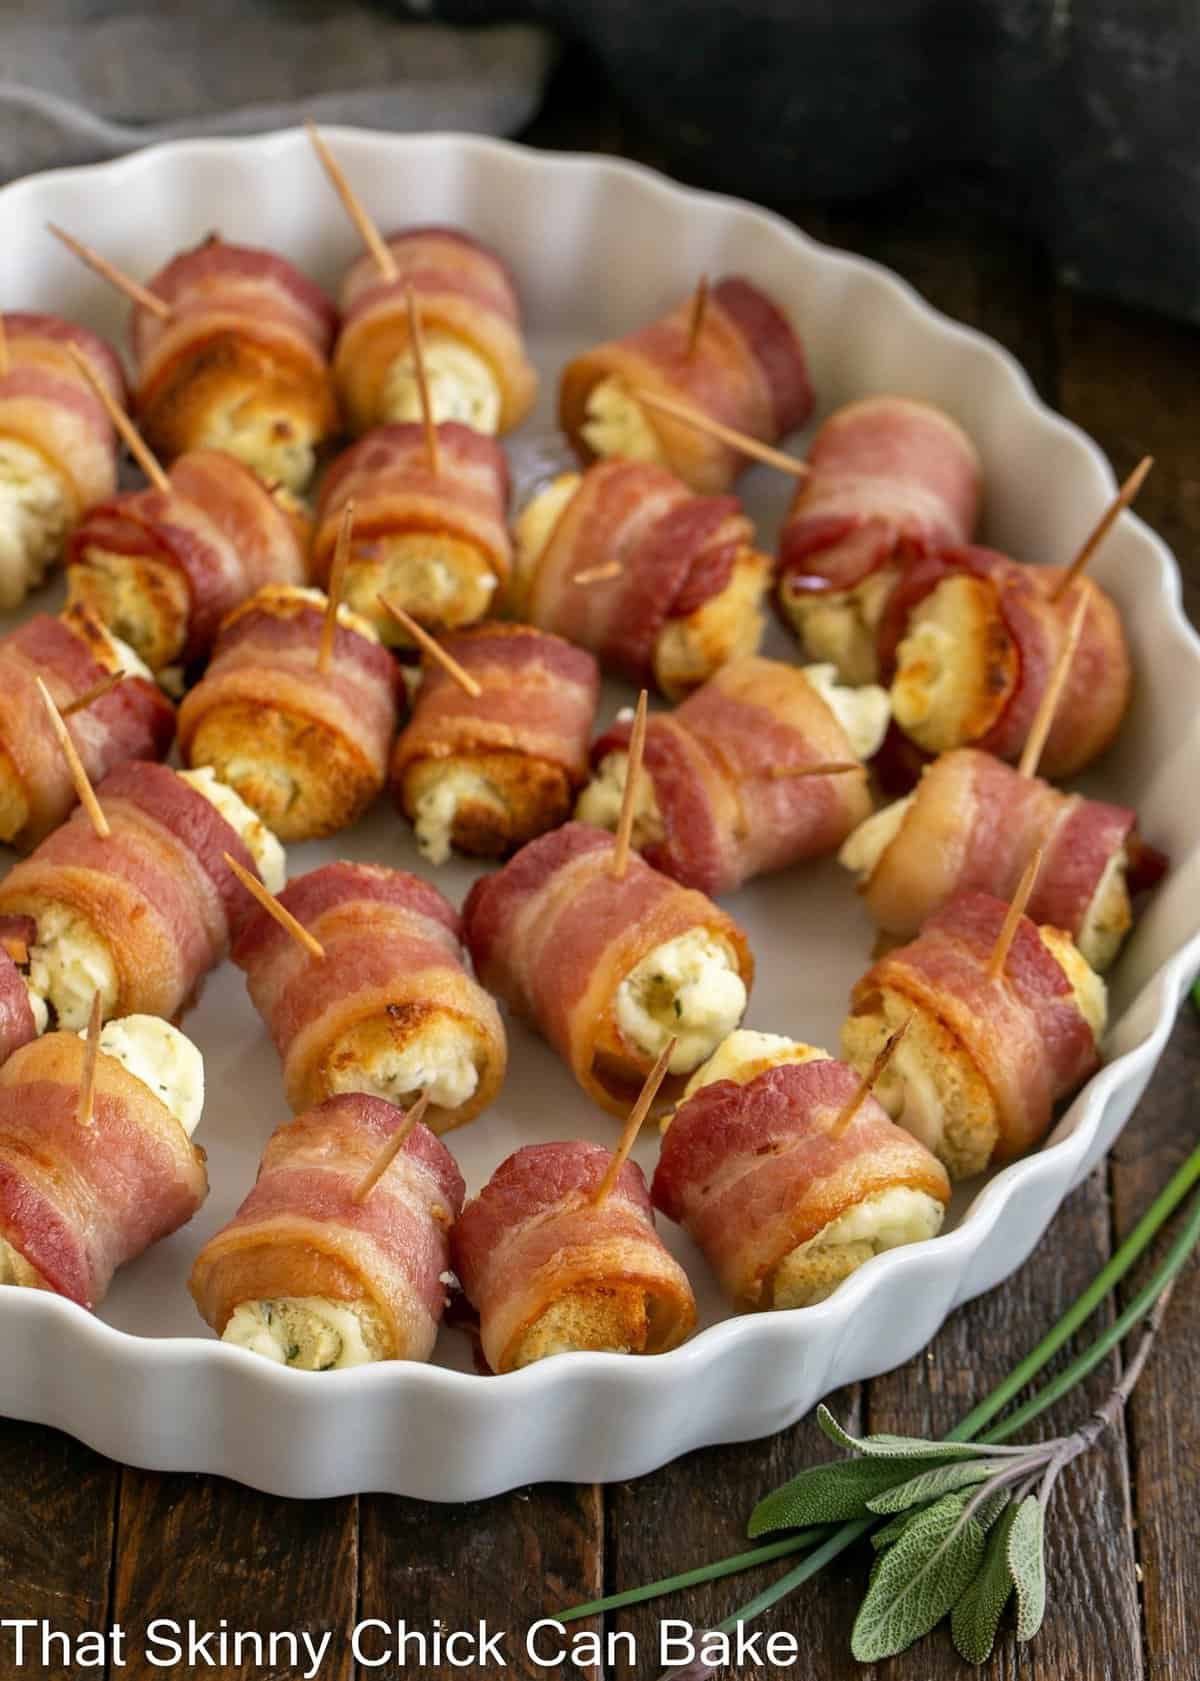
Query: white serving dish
[(598, 246)]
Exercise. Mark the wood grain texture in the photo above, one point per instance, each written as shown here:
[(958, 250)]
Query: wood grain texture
[(56, 1534), (204, 1548), (511, 1561)]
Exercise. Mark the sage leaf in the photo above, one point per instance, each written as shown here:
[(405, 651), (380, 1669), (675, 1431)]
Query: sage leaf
[(976, 1616), (1027, 1562), (898, 1447), (918, 1580), (881, 1538), (993, 1507), (825, 1494), (931, 1485)]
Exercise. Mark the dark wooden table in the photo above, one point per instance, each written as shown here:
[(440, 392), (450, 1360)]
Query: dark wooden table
[(84, 1542)]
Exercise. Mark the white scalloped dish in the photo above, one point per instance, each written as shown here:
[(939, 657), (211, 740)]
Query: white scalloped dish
[(598, 246)]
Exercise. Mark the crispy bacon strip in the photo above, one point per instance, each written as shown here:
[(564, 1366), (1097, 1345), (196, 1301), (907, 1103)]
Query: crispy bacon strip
[(17, 1026), (392, 955), (745, 367), (157, 891), (78, 1202), (461, 287), (265, 702), (673, 552), (554, 934), (752, 1171), (46, 403), (219, 528), (891, 479), (727, 814), (534, 1237), (300, 1231), (244, 324), (1023, 1029), (133, 720), (1096, 694)]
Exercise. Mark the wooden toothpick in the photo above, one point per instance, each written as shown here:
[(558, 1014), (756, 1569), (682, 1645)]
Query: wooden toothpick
[(133, 440), (140, 295), (869, 1080), (335, 587), (1015, 912), (633, 1125), (739, 440), (87, 1078), (96, 692), (1100, 530), (5, 359), (390, 1150), (786, 773), (633, 769), (433, 648), (417, 342), (696, 322), (273, 908), (601, 574), (83, 787), (357, 211), (1035, 741)]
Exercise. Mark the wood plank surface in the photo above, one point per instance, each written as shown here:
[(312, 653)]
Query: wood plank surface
[(205, 1549)]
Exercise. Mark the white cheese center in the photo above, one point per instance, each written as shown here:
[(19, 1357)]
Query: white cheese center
[(439, 1059), (616, 424), (600, 802), (461, 385), (269, 444), (840, 626), (310, 1333), (162, 1058), (746, 1054), (865, 846), (35, 514), (261, 843), (862, 713), (688, 987), (536, 523), (68, 964), (438, 807)]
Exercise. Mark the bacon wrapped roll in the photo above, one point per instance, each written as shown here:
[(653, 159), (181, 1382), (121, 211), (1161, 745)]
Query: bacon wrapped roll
[(715, 803), (783, 1207), (549, 1272), (141, 916), (71, 654), (390, 1010), (972, 825), (891, 480), (485, 773), (22, 1013), (305, 1275), (77, 1202), (241, 364), (746, 369), (970, 640), (306, 749), (475, 360), (608, 970), (58, 450), (984, 1060), (435, 544), (664, 587), (162, 570)]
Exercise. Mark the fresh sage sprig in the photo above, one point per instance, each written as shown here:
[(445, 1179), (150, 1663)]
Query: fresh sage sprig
[(969, 1530), (824, 1544)]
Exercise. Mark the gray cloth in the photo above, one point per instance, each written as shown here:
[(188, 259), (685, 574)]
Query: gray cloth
[(85, 79)]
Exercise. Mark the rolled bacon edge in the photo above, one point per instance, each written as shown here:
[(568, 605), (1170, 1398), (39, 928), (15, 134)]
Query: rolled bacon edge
[(548, 1271), (300, 1232), (77, 1202)]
